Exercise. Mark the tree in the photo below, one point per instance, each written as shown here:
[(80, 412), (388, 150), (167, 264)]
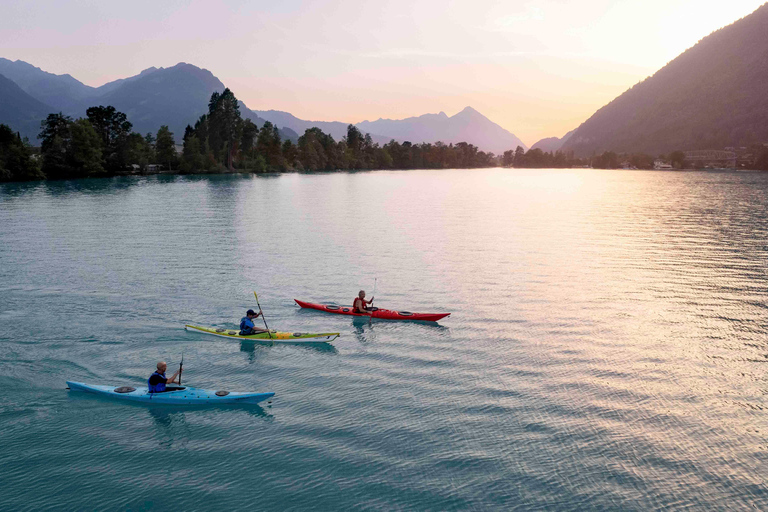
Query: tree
[(84, 149), (608, 160), (355, 145), (165, 147), (150, 140), (519, 157), (289, 153), (248, 144), (225, 125), (55, 134), (139, 151), (16, 162), (508, 158), (192, 157), (677, 159), (268, 145), (113, 128)]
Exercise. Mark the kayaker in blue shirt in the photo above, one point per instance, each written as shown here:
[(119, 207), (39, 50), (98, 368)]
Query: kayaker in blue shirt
[(246, 323), (158, 380)]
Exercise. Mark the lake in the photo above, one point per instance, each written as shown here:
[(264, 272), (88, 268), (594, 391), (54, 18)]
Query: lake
[(607, 347)]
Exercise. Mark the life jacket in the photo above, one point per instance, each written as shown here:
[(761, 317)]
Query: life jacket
[(355, 302), (156, 388), (246, 325)]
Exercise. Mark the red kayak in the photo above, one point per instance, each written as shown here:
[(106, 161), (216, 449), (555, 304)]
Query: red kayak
[(383, 314)]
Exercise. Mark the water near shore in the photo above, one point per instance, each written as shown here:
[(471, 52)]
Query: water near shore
[(607, 350)]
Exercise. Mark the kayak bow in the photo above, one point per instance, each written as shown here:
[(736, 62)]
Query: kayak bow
[(382, 314), (276, 336), (183, 395)]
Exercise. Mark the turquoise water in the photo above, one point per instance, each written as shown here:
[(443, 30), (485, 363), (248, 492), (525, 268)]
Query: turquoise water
[(607, 348)]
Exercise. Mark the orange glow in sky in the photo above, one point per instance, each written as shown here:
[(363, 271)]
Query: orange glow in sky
[(537, 68)]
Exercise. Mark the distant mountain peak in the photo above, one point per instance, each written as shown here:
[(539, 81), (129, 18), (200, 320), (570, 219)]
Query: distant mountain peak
[(469, 126)]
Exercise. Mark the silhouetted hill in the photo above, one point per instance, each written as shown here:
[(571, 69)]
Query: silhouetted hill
[(62, 92), (21, 111), (711, 96), (469, 125), (552, 144)]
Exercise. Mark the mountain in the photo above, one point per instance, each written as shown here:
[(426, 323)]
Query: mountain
[(21, 111), (111, 86), (62, 92), (552, 144), (336, 129), (469, 125), (284, 131), (711, 96), (175, 96), (179, 95)]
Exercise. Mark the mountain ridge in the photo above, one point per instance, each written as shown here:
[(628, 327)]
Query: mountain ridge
[(178, 95), (20, 110), (62, 92)]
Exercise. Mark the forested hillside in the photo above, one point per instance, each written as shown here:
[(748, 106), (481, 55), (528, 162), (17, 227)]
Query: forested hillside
[(712, 96)]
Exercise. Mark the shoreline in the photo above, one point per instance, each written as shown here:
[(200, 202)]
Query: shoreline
[(134, 174)]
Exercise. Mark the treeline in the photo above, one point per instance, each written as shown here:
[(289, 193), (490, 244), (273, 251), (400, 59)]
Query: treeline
[(538, 159), (103, 144), (100, 144), (222, 140)]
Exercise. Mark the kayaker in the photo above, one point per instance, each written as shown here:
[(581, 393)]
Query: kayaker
[(157, 380), (246, 323), (359, 304)]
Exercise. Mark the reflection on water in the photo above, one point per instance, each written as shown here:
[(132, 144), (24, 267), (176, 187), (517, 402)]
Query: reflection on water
[(606, 348), (258, 345)]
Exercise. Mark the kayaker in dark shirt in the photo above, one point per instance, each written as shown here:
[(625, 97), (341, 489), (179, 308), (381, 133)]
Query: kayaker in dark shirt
[(359, 305), (158, 380), (246, 323)]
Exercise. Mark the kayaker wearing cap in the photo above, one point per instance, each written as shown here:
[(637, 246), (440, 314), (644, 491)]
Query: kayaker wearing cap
[(246, 323), (157, 380), (359, 304)]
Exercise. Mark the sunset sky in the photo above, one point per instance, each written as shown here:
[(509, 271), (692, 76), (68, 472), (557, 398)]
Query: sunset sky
[(537, 68)]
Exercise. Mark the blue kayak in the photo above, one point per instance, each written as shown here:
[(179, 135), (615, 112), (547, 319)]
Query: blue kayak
[(176, 395)]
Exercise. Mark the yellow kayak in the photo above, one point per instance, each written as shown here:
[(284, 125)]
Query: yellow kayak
[(273, 336)]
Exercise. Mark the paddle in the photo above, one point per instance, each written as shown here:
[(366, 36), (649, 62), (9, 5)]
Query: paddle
[(373, 297), (181, 367), (262, 315)]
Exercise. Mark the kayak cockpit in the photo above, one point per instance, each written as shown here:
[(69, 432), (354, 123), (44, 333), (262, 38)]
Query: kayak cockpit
[(169, 389)]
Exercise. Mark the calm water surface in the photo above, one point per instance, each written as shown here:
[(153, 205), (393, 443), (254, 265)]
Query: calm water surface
[(607, 350)]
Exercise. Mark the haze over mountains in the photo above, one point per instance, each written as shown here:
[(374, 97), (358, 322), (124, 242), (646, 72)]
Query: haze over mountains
[(178, 96)]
